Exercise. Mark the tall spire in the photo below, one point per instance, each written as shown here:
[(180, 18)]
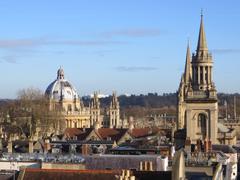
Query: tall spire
[(202, 43), (187, 73)]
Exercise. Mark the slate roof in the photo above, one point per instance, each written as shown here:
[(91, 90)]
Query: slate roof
[(224, 148)]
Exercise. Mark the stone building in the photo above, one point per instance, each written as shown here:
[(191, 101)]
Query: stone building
[(64, 98), (197, 98), (197, 95), (113, 118), (95, 116)]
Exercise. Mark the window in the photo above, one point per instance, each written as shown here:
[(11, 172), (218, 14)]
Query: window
[(202, 125), (69, 107)]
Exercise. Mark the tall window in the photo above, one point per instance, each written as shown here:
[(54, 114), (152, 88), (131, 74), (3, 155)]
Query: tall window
[(202, 124), (69, 107), (201, 74)]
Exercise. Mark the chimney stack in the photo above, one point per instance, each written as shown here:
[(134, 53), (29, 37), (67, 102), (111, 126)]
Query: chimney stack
[(9, 146), (30, 146), (188, 144)]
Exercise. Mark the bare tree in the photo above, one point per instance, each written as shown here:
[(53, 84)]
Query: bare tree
[(30, 112)]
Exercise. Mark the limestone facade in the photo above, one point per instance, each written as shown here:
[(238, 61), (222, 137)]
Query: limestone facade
[(197, 95), (64, 98)]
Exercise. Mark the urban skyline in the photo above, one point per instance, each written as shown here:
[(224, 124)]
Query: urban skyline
[(130, 47)]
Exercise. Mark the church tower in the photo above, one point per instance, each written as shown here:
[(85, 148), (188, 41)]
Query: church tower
[(114, 112), (95, 110), (197, 95)]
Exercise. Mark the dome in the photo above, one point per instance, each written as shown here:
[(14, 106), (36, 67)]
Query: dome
[(61, 89)]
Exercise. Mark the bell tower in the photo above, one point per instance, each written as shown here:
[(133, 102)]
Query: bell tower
[(202, 64), (197, 95)]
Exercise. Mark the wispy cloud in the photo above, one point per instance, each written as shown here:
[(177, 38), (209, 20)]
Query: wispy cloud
[(138, 32), (135, 68), (35, 42), (225, 51), (10, 59)]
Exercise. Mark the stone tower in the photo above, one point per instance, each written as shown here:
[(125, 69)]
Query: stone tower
[(114, 112), (197, 96), (95, 110)]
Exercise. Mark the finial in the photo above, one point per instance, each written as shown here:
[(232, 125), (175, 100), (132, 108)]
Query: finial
[(201, 12), (60, 73)]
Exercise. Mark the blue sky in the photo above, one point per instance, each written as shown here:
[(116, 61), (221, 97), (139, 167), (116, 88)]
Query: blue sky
[(130, 46)]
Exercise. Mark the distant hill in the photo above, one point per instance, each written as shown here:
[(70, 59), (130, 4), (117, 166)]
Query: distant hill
[(153, 103)]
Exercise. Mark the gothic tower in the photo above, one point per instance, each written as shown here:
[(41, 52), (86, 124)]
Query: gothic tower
[(114, 112), (95, 110), (197, 96)]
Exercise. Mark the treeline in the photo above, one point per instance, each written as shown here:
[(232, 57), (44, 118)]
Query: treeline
[(153, 103), (151, 100), (154, 100)]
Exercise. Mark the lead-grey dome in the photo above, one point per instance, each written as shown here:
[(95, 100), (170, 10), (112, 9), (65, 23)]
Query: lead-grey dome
[(61, 89)]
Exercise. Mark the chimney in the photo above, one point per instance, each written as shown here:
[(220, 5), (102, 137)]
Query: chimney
[(131, 123), (96, 125), (30, 146), (209, 145), (85, 149), (47, 146), (125, 175), (188, 144), (206, 145), (1, 145), (146, 166), (150, 166), (141, 166), (9, 146), (172, 151)]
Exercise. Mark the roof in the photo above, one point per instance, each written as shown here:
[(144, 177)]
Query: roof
[(80, 133), (102, 133), (55, 174), (61, 88), (143, 132), (202, 43), (153, 175), (222, 128), (114, 134), (224, 148)]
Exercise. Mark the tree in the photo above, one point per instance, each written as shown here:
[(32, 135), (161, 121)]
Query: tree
[(31, 112)]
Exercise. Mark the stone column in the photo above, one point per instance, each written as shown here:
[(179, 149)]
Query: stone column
[(207, 127), (208, 74), (204, 75), (189, 124), (199, 78), (213, 125)]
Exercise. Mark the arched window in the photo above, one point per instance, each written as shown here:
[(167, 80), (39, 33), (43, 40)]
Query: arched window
[(202, 125)]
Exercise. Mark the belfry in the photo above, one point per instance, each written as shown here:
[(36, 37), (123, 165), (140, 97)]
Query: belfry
[(197, 95)]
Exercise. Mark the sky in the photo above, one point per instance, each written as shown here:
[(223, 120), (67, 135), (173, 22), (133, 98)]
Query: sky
[(128, 46)]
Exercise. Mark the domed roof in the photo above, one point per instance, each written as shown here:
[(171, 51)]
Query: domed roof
[(61, 89)]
